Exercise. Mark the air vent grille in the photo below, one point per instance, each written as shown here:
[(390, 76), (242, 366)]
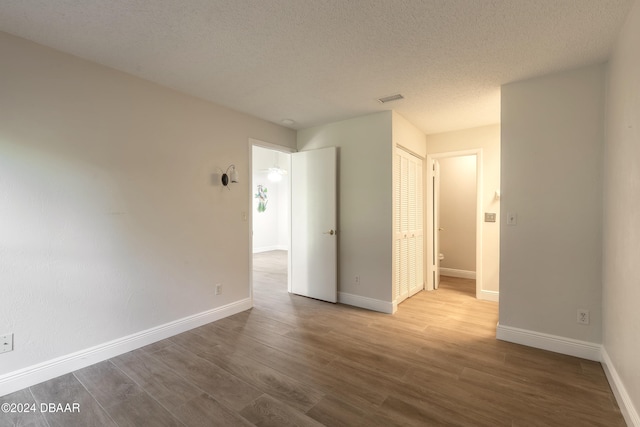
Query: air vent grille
[(386, 99)]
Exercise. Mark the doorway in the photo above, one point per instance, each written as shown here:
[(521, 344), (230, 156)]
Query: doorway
[(270, 214), (461, 231), (303, 187), (457, 216)]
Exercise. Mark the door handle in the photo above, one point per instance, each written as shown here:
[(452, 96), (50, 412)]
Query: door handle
[(330, 232)]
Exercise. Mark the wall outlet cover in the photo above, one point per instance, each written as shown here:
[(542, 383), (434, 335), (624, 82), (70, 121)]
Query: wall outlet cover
[(583, 316), (6, 343)]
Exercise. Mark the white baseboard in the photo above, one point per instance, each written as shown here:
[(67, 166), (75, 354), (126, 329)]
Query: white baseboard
[(45, 371), (452, 272), (489, 296), (270, 248), (364, 302), (571, 347), (620, 392)]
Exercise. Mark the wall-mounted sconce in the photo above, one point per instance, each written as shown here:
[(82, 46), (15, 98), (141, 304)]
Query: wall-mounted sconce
[(230, 175)]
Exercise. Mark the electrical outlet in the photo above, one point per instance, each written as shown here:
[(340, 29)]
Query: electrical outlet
[(583, 316), (218, 289), (357, 280), (6, 343)]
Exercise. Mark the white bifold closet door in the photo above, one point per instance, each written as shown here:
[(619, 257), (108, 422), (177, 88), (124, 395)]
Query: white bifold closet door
[(408, 228)]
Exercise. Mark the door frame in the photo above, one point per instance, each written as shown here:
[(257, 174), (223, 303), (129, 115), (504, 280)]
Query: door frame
[(479, 216), (283, 149)]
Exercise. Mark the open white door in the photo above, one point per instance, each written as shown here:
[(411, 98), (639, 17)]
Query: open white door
[(436, 224), (314, 243), (433, 228)]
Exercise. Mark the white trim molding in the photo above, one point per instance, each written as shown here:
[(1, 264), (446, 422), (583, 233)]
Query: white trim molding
[(625, 403), (555, 343), (45, 371), (366, 303), (489, 295), (453, 272)]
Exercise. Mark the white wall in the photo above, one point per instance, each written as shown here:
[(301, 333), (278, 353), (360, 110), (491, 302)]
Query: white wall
[(458, 213), (364, 201), (550, 266), (486, 138), (408, 136), (621, 276), (270, 228), (111, 220)]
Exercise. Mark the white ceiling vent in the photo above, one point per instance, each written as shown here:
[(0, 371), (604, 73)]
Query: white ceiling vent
[(386, 99)]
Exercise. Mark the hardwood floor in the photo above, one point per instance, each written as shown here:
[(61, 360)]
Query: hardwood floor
[(297, 361)]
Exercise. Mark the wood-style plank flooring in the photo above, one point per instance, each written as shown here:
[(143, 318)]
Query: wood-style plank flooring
[(293, 361)]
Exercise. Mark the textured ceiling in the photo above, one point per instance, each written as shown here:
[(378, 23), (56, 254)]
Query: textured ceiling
[(317, 61)]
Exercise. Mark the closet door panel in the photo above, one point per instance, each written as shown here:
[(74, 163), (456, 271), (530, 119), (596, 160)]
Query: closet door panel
[(408, 225)]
